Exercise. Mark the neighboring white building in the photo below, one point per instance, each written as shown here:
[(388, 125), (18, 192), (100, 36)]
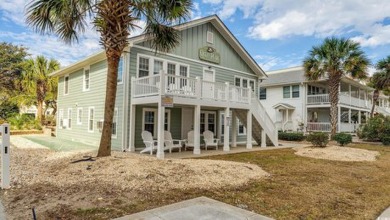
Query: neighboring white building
[(294, 103), (33, 110)]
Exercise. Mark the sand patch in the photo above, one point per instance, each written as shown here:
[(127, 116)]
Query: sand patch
[(338, 153)]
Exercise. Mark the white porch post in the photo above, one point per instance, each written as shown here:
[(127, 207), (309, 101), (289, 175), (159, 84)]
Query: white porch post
[(349, 116), (234, 129), (226, 130), (160, 131), (132, 128), (263, 138), (338, 118), (249, 129), (359, 117), (197, 129)]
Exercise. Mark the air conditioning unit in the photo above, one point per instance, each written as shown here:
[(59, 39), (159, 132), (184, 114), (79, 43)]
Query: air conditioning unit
[(100, 125)]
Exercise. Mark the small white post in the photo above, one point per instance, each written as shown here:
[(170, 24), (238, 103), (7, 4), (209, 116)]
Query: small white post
[(263, 139), (132, 128), (226, 130), (249, 130), (227, 91), (162, 83), (197, 129), (160, 131), (198, 88), (234, 129), (5, 151)]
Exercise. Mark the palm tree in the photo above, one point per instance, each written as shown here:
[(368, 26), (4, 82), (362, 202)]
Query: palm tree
[(113, 19), (335, 58), (36, 81), (380, 80)]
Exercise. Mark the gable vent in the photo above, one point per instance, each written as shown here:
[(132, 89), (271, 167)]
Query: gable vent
[(210, 37)]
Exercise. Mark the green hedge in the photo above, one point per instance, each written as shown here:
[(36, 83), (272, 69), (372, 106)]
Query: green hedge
[(291, 136), (377, 128), (318, 139), (343, 138)]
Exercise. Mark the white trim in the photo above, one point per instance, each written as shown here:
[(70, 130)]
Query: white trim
[(89, 79), (165, 65), (89, 119), (248, 82), (197, 61), (66, 92), (155, 119), (114, 136), (69, 127), (79, 116), (291, 91), (206, 121), (208, 69), (123, 62), (125, 131)]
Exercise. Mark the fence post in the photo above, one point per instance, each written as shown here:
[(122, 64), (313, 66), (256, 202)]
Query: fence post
[(5, 151)]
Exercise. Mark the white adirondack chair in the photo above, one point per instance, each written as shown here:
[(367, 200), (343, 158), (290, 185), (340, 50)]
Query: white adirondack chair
[(172, 143), (209, 139), (189, 143), (150, 144)]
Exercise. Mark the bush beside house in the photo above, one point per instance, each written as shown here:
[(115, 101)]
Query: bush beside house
[(377, 128), (343, 138), (318, 139), (291, 136)]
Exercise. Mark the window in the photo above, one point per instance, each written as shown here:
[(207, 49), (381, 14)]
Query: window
[(150, 120), (240, 128), (69, 118), (120, 71), (61, 118), (66, 85), (207, 121), (183, 72), (143, 67), (244, 82), (86, 80), (295, 91), (286, 92), (114, 123), (158, 66), (263, 93), (91, 116), (237, 82), (79, 115), (210, 37)]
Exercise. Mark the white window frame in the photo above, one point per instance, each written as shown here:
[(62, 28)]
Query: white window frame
[(123, 69), (248, 82), (210, 37), (168, 111), (66, 84), (116, 112), (206, 121), (69, 118), (165, 65), (79, 116), (84, 79), (89, 119), (60, 118), (291, 92)]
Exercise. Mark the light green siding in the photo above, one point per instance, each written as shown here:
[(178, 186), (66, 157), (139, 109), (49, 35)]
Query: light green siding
[(194, 38), (77, 98)]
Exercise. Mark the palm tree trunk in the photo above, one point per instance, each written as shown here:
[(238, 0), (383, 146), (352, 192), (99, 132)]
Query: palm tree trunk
[(334, 83), (375, 97), (111, 87), (40, 110)]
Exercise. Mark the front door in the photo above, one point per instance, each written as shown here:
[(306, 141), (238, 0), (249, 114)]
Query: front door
[(208, 83)]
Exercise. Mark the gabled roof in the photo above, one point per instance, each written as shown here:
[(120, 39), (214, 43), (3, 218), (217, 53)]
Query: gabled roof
[(213, 19), (283, 106)]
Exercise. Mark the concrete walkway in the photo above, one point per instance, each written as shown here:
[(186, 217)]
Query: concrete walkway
[(201, 208), (385, 215)]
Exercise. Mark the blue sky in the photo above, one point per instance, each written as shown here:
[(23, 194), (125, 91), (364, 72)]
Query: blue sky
[(277, 33)]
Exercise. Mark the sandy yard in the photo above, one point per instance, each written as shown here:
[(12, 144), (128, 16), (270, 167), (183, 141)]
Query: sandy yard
[(338, 153), (50, 182)]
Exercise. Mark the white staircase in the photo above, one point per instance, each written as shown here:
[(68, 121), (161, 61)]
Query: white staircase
[(261, 121)]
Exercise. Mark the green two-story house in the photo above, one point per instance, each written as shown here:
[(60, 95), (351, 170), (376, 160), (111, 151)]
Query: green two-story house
[(208, 82)]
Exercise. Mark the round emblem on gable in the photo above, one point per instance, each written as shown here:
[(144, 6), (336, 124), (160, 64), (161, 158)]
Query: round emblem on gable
[(210, 49)]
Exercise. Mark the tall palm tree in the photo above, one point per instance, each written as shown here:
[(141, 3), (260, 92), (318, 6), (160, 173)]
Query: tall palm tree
[(380, 80), (37, 82), (113, 19), (335, 58)]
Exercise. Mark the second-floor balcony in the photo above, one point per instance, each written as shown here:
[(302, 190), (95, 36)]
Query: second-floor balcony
[(186, 88), (344, 98)]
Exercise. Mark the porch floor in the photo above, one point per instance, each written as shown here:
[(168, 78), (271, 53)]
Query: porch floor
[(212, 152)]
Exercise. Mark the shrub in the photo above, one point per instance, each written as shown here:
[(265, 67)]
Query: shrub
[(343, 138), (372, 129), (386, 140), (292, 136), (24, 121), (318, 139)]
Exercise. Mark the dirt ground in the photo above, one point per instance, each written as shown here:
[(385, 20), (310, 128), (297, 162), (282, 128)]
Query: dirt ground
[(57, 188), (338, 153)]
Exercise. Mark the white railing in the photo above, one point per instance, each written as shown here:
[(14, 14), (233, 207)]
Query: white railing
[(189, 87), (318, 126), (348, 127), (263, 118), (145, 86), (318, 99)]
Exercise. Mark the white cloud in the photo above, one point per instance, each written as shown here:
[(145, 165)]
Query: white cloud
[(320, 18), (195, 12), (13, 10), (266, 62)]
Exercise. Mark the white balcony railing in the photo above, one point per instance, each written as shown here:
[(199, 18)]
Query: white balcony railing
[(343, 99), (348, 127), (319, 126), (189, 87), (318, 99)]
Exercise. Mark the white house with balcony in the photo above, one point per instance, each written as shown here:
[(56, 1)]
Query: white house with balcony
[(296, 104), (208, 82)]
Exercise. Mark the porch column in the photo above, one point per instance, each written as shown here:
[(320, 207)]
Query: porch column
[(160, 130), (226, 130), (234, 129), (349, 116), (249, 129), (197, 129), (263, 139), (359, 117), (132, 129), (338, 118)]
